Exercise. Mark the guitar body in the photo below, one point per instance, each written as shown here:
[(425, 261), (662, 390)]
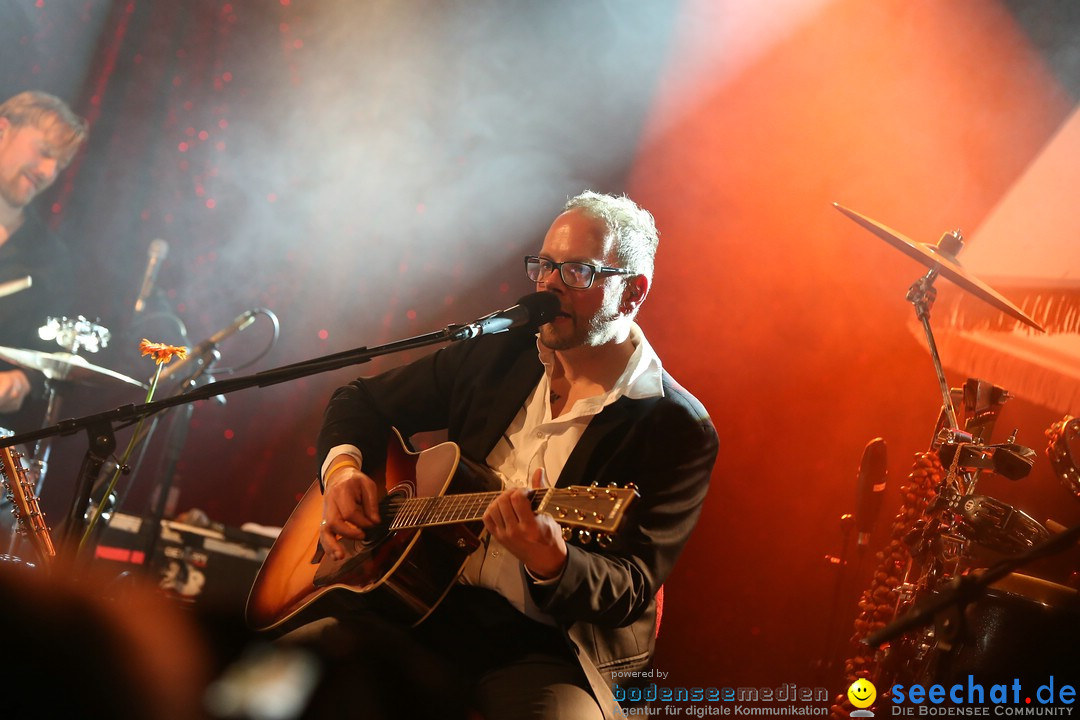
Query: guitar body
[(403, 574)]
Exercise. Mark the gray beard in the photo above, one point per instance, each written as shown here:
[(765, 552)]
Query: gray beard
[(599, 332)]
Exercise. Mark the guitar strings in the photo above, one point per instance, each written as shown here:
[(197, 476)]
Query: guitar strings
[(446, 509)]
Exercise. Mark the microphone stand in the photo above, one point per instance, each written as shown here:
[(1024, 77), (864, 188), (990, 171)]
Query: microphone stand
[(100, 427), (825, 667), (174, 447)]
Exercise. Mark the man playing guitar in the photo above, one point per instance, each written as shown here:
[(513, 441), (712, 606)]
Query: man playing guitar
[(536, 625)]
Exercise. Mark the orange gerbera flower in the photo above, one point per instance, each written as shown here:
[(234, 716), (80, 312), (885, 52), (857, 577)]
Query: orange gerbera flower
[(161, 352)]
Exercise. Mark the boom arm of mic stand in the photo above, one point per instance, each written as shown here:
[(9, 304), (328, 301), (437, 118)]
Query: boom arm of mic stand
[(101, 428)]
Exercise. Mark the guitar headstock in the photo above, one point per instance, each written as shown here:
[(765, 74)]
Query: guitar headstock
[(589, 508)]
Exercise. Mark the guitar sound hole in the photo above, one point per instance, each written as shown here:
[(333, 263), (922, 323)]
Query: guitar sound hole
[(376, 534)]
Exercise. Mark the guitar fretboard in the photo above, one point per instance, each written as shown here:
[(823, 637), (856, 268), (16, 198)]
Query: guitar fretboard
[(405, 513)]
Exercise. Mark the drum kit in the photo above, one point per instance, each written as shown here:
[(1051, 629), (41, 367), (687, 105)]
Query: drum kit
[(61, 371), (952, 532)]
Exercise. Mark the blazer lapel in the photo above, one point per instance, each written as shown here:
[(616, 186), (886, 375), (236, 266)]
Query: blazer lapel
[(613, 418), (509, 397)]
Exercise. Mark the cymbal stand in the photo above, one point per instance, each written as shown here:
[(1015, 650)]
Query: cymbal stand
[(918, 576), (43, 447), (73, 335), (921, 295)]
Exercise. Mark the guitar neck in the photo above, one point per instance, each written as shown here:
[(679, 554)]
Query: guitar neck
[(423, 512)]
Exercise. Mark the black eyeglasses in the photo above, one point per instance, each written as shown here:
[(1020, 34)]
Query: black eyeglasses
[(574, 274)]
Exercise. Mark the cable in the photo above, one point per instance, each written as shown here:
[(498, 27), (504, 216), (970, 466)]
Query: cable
[(273, 341)]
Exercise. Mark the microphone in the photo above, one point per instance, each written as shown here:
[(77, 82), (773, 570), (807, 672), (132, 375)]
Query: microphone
[(870, 489), (157, 252), (199, 353), (531, 311)]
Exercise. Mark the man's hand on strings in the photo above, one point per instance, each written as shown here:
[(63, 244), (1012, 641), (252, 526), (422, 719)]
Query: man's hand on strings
[(535, 540), (350, 504)]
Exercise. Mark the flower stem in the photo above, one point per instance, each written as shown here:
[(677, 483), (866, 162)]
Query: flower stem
[(120, 466)]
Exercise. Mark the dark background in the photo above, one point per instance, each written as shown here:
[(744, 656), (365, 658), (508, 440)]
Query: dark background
[(374, 170)]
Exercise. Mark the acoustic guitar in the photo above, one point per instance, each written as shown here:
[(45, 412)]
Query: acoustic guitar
[(430, 521)]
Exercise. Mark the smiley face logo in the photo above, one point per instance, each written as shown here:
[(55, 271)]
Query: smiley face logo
[(862, 693)]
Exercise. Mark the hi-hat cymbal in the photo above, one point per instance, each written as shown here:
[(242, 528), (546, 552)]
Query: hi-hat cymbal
[(936, 257), (65, 366)]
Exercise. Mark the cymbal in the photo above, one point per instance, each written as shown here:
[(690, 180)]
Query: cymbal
[(937, 257), (65, 366)]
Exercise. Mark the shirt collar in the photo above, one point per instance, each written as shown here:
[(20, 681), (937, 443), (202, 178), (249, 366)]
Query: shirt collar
[(644, 374), (642, 378)]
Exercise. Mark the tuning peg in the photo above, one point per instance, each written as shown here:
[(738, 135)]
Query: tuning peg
[(584, 537), (603, 540), (567, 534)]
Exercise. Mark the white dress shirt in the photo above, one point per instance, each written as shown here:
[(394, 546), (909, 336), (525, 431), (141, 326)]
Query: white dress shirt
[(534, 440)]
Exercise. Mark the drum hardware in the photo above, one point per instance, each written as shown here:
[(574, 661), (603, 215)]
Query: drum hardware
[(950, 604), (941, 259), (1064, 435), (60, 368), (983, 402), (63, 367), (1012, 461), (1007, 459), (952, 550), (75, 334), (937, 534), (999, 526)]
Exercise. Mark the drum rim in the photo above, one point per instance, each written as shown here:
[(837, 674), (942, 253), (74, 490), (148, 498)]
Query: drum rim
[(1038, 590)]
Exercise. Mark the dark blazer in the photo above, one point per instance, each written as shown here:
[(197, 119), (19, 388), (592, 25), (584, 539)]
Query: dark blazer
[(606, 598)]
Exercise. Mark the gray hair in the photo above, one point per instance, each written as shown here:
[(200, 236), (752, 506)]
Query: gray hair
[(632, 227)]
